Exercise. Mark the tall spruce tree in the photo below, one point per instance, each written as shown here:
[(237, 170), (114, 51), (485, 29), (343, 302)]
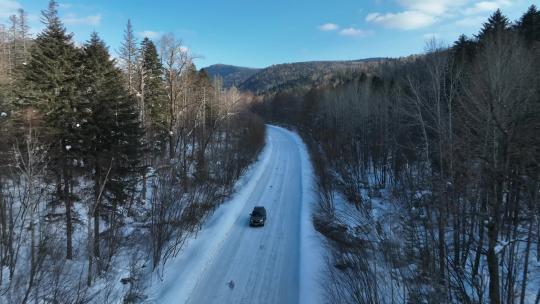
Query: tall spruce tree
[(127, 150), (529, 25), (101, 86), (50, 79), (464, 50), (497, 24), (154, 96), (111, 131)]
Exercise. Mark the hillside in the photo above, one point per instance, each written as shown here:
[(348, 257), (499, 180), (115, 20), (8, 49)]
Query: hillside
[(230, 74), (302, 74), (282, 77)]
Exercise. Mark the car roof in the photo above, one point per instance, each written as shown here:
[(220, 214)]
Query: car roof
[(259, 208)]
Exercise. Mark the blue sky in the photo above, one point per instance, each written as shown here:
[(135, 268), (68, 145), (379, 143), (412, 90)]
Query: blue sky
[(258, 33)]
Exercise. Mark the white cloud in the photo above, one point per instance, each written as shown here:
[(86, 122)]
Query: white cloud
[(150, 34), (416, 14), (486, 7), (432, 7), (353, 32), (349, 31), (72, 19), (407, 20), (8, 8), (328, 27)]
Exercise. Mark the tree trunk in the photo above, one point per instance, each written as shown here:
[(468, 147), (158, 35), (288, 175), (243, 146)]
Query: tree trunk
[(171, 144), (95, 213), (96, 239), (69, 224), (493, 264), (89, 247), (478, 254), (441, 245), (526, 265), (3, 234)]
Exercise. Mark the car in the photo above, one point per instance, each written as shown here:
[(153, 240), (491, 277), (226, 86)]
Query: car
[(257, 216)]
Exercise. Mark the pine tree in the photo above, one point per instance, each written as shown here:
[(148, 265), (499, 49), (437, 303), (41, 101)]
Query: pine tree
[(111, 132), (529, 25), (464, 49), (100, 87), (127, 150), (155, 99), (497, 23), (50, 79)]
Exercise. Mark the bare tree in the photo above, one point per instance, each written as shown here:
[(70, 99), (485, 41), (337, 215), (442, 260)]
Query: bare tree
[(175, 62), (500, 82), (31, 164)]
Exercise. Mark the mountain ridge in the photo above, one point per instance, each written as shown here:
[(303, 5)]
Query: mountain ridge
[(230, 74), (281, 76)]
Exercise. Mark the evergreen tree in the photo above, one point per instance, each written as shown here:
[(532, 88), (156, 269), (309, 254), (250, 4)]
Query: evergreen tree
[(497, 23), (110, 130), (155, 99), (529, 25), (113, 132), (464, 49), (50, 80), (127, 150)]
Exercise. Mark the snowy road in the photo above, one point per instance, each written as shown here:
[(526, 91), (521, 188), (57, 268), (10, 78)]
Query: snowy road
[(230, 262)]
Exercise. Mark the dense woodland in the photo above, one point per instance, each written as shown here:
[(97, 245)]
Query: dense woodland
[(428, 171), (301, 76), (107, 166)]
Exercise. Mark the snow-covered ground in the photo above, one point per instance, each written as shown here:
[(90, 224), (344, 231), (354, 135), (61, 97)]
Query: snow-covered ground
[(230, 262)]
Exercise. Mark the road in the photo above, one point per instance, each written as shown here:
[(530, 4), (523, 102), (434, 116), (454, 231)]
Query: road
[(248, 264)]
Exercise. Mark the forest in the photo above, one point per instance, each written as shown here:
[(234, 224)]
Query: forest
[(428, 170), (107, 165), (426, 167)]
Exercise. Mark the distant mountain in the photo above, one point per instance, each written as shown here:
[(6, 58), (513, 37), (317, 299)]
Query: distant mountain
[(290, 76), (230, 74), (300, 75)]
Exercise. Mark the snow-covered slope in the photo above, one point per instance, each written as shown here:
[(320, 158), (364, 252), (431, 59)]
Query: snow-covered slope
[(230, 262)]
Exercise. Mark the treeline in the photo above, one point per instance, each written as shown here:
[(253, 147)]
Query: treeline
[(107, 166), (436, 159)]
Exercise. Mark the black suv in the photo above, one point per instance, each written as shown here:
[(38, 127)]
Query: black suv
[(258, 216)]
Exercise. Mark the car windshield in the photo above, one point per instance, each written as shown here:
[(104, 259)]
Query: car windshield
[(258, 211)]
